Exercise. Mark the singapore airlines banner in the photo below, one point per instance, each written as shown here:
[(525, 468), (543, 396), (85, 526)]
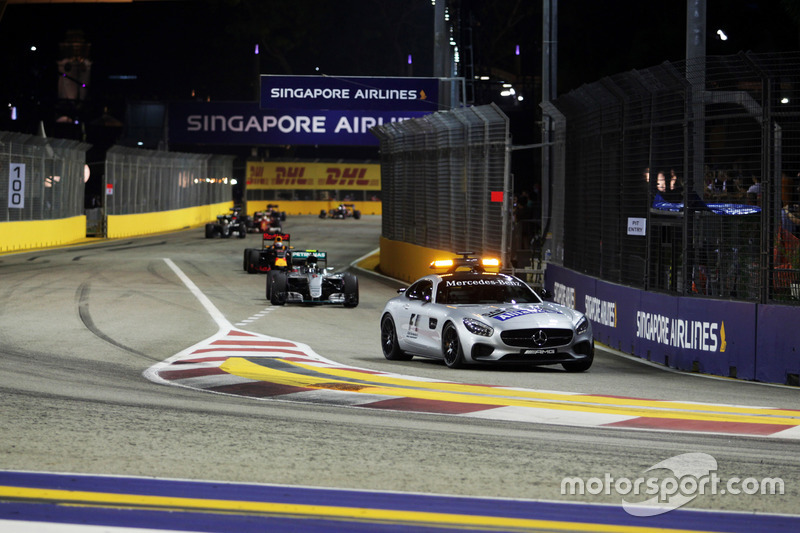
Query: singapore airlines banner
[(326, 92), (305, 110)]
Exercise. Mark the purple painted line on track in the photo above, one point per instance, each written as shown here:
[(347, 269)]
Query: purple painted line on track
[(467, 506)]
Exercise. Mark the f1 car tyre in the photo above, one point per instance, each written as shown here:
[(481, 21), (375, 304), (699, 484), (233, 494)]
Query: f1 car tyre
[(225, 231), (278, 289), (245, 259), (391, 350), (270, 274), (253, 258), (356, 214), (323, 214), (242, 229), (451, 347), (350, 290), (211, 231)]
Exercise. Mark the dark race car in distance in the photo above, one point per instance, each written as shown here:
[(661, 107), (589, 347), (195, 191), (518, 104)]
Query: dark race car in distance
[(343, 211), (227, 225)]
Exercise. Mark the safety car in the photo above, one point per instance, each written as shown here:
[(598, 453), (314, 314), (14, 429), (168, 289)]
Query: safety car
[(308, 280), (471, 313)]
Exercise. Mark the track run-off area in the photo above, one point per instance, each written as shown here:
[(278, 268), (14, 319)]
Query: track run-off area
[(288, 418)]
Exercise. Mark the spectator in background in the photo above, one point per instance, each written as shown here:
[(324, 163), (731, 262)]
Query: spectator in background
[(734, 188), (788, 189), (661, 183), (675, 191), (754, 192)]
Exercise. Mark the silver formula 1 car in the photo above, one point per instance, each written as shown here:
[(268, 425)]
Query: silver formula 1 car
[(468, 314), (308, 280)]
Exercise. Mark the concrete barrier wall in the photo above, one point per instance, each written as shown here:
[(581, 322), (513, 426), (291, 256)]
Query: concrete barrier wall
[(407, 262), (299, 207), (148, 223), (29, 234), (719, 337)]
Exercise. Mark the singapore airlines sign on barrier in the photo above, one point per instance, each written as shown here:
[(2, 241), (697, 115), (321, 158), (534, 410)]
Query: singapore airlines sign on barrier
[(306, 110)]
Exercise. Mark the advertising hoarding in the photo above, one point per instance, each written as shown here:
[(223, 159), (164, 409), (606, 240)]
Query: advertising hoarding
[(313, 176), (244, 123), (349, 93)]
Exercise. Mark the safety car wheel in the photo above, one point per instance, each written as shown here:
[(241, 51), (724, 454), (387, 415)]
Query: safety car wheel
[(350, 290), (391, 349), (578, 366), (451, 347), (278, 289)]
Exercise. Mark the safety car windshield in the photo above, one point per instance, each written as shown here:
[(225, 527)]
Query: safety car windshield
[(483, 289)]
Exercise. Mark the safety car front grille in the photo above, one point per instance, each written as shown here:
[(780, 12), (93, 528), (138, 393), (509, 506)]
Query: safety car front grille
[(532, 337)]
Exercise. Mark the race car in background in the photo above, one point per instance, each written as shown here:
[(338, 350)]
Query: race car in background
[(229, 224), (273, 254), (469, 314), (268, 221), (343, 211), (308, 280)]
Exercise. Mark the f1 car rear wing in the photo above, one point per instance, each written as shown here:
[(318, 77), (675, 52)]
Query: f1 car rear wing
[(273, 238)]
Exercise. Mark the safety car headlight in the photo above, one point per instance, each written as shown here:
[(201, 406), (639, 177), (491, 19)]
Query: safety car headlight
[(477, 327), (583, 325)]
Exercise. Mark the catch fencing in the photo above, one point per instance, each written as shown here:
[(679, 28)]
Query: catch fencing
[(683, 178), (145, 181), (40, 178), (445, 180)]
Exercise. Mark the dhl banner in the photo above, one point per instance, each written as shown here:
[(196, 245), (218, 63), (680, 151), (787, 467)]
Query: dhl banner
[(316, 176)]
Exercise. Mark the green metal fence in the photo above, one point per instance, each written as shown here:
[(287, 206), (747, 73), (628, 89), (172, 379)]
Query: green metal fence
[(445, 180), (652, 170), (40, 178)]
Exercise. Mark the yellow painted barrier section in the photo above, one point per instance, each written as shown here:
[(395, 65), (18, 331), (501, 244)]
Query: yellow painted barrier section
[(408, 262), (29, 234), (161, 221), (299, 207)]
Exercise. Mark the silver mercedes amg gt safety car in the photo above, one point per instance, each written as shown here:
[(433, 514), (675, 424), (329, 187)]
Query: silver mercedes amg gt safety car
[(469, 314)]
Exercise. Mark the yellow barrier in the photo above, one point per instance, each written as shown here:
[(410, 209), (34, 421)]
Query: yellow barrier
[(301, 207), (408, 262), (158, 222), (29, 234)]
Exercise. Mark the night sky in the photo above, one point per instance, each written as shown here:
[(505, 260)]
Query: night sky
[(180, 50)]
